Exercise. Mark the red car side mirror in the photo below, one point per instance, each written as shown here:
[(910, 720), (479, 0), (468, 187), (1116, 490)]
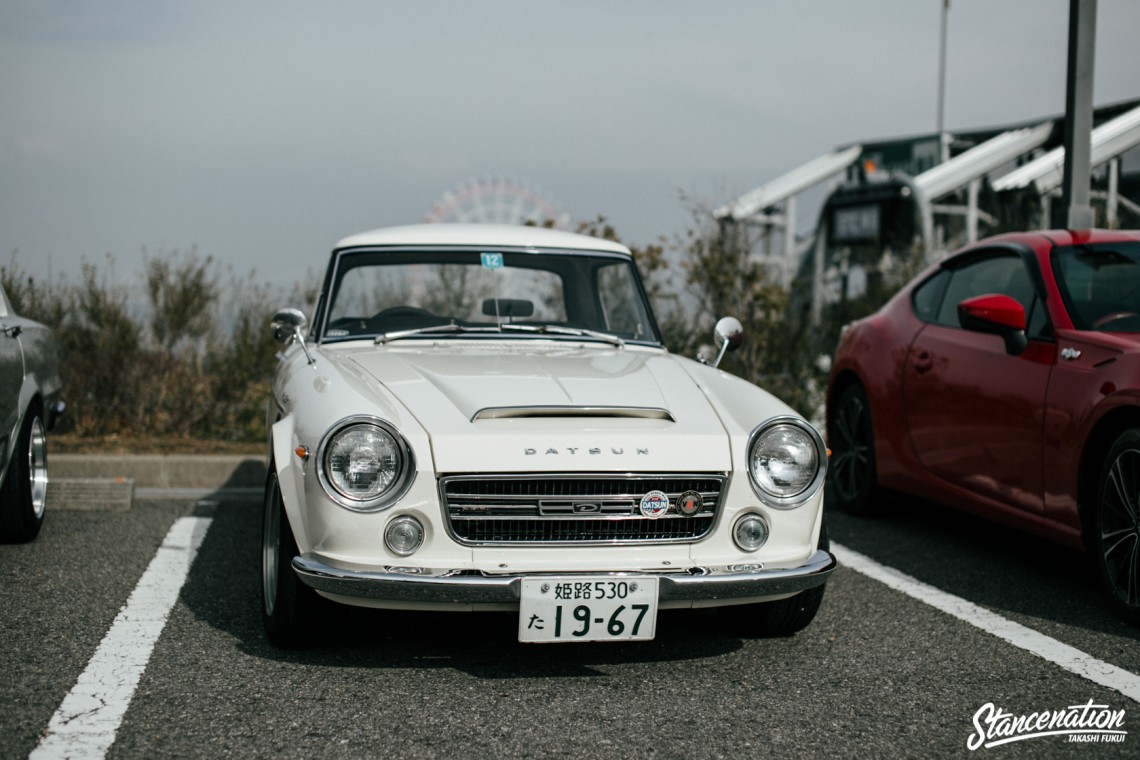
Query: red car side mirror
[(996, 315)]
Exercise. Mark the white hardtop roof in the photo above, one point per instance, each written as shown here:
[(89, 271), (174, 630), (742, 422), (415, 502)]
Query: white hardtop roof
[(480, 236)]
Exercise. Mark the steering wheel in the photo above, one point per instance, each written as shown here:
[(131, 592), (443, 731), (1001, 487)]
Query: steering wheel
[(402, 311), (1112, 317)]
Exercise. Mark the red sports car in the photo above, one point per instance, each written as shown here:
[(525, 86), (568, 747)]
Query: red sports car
[(1005, 381)]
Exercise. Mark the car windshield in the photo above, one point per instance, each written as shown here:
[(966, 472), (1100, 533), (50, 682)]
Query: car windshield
[(1100, 285), (395, 294)]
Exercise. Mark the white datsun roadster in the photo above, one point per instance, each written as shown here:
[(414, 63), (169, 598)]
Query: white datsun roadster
[(485, 418)]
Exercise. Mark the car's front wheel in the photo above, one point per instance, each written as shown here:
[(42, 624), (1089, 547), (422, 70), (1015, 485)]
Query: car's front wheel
[(23, 495), (851, 471), (1117, 529), (779, 618), (290, 609)]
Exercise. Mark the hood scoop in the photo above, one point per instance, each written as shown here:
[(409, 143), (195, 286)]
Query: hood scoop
[(554, 412)]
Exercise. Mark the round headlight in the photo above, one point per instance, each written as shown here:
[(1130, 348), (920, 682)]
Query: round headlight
[(786, 461), (364, 463)]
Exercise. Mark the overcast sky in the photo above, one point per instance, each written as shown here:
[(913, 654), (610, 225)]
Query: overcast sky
[(262, 132)]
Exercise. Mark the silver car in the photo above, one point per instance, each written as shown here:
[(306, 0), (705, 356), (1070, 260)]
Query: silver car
[(29, 406)]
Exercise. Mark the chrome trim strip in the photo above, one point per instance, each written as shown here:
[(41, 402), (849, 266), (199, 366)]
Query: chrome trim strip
[(596, 475), (528, 412), (503, 500), (442, 586), (596, 516)]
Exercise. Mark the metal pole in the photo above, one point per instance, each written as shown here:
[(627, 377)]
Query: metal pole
[(789, 241), (944, 144), (1113, 193), (972, 211), (817, 274), (1078, 115)]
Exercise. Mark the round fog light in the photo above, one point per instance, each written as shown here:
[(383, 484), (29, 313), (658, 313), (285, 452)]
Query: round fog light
[(404, 535), (750, 532)]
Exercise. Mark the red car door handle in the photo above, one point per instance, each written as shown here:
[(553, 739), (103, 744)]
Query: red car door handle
[(922, 362)]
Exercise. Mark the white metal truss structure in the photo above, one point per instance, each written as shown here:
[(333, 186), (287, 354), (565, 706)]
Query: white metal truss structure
[(1045, 174), (774, 204), (966, 170)]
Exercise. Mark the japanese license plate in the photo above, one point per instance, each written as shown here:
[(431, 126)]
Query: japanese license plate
[(588, 608)]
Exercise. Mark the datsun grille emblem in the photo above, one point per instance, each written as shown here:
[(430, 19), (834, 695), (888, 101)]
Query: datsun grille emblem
[(654, 504)]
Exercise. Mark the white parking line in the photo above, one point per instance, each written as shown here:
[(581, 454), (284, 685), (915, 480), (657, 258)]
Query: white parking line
[(86, 722), (1063, 655)]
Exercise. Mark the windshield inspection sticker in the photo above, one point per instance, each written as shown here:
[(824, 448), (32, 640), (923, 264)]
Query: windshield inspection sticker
[(492, 260)]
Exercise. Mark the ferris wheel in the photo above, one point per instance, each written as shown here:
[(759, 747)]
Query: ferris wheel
[(497, 200)]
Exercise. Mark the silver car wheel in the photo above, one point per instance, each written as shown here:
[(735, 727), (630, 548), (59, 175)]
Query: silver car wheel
[(37, 467), (271, 547)]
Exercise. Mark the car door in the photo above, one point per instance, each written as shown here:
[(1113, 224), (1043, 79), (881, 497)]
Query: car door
[(974, 411)]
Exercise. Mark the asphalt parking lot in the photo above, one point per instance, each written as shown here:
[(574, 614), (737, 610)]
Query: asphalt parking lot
[(882, 672)]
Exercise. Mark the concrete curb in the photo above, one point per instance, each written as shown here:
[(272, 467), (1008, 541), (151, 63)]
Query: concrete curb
[(109, 483), (162, 471)]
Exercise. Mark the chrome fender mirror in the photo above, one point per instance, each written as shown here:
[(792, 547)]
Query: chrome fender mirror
[(729, 334), (289, 324)]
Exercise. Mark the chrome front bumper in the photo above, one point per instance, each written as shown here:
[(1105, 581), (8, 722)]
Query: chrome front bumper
[(451, 587)]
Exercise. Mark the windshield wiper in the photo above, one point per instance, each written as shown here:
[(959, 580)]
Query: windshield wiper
[(417, 331), (577, 332)]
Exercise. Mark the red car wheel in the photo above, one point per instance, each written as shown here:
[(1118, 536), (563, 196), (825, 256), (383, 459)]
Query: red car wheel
[(852, 466), (1118, 525)]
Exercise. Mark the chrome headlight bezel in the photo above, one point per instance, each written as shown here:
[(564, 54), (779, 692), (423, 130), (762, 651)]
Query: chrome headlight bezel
[(405, 465), (787, 500)]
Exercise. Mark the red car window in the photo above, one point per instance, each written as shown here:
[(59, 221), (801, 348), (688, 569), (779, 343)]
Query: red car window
[(1100, 285)]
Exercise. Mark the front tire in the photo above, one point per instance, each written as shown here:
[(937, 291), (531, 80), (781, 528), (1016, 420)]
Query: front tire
[(290, 609), (780, 618), (1116, 537), (23, 496), (852, 470)]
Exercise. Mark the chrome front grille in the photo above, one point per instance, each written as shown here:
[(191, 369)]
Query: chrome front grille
[(575, 509)]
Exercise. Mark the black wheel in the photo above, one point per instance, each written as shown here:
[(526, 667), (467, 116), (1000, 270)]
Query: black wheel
[(851, 471), (290, 609), (1116, 537), (780, 618), (24, 492)]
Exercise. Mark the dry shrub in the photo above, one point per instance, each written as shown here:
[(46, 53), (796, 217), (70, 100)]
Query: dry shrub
[(177, 365)]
